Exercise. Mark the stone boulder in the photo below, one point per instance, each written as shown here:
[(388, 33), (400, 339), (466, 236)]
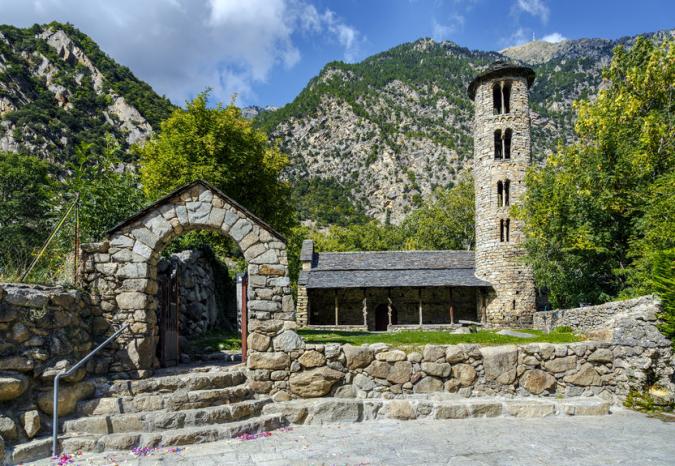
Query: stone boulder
[(433, 353), (287, 341), (585, 376), (601, 355), (465, 374), (311, 359), (428, 385), (12, 386), (438, 369), (69, 395), (258, 342), (8, 428), (561, 364), (499, 363), (455, 354), (537, 381), (379, 369), (31, 423), (315, 382), (391, 356), (357, 356), (271, 361), (400, 372)]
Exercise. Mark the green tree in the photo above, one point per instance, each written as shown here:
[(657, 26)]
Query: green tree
[(444, 222), (220, 146), (109, 191), (26, 196), (591, 211)]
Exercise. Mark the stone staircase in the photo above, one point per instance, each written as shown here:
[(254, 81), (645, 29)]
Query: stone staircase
[(203, 404)]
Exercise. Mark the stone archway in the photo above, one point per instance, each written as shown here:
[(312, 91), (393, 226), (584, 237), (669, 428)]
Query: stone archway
[(121, 271)]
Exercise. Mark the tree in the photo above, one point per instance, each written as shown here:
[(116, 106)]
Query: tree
[(109, 192), (26, 196), (590, 212), (220, 146), (444, 222)]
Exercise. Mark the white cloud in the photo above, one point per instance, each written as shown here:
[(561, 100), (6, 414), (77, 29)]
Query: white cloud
[(183, 46), (554, 37), (454, 24), (537, 8)]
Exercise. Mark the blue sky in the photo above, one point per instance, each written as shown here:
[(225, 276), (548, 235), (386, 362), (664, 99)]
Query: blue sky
[(265, 51)]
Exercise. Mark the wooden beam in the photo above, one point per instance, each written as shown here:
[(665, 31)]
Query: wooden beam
[(337, 309), (419, 292), (389, 308), (365, 310)]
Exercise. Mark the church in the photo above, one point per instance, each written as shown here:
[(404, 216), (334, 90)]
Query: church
[(394, 290)]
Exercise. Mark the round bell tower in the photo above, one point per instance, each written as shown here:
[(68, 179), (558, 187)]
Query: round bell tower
[(502, 154)]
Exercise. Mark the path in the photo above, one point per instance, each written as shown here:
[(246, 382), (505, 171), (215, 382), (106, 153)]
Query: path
[(622, 438)]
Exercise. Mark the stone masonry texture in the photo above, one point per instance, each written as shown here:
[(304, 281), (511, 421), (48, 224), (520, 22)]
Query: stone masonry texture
[(512, 299)]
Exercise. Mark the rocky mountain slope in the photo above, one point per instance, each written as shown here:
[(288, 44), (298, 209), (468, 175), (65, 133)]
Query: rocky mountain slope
[(391, 128), (58, 89)]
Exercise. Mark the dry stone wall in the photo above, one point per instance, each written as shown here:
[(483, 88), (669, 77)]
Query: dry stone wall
[(635, 354), (43, 330)]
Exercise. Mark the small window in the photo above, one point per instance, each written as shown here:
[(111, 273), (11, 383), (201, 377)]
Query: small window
[(506, 94), (507, 143), (498, 144), (496, 99), (507, 224), (507, 185), (500, 194), (504, 230), (513, 305), (501, 230)]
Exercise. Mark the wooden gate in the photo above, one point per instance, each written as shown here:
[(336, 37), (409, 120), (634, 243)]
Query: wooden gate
[(168, 316)]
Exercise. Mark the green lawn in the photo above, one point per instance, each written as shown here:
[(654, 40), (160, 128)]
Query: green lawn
[(407, 339), (420, 338)]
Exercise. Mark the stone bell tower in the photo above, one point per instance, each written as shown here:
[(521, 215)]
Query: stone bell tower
[(502, 154)]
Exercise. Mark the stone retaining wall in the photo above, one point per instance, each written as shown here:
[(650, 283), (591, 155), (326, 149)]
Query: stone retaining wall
[(591, 318), (43, 330), (633, 355)]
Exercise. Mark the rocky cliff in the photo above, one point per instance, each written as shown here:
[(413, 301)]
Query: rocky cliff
[(58, 89)]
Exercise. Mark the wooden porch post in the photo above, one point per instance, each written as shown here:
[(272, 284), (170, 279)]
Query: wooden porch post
[(365, 309), (337, 309), (419, 292), (389, 308), (452, 308)]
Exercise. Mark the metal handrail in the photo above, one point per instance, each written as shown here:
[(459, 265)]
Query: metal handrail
[(55, 414)]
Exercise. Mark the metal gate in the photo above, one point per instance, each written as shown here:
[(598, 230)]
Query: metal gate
[(168, 316)]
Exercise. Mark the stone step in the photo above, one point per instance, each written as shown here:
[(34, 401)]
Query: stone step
[(336, 410), (69, 443), (165, 419), (190, 381), (172, 437), (175, 401)]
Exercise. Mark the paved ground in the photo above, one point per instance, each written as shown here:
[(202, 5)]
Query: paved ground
[(624, 438)]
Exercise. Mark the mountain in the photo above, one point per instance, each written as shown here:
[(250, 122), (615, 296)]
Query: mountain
[(58, 89), (388, 130)]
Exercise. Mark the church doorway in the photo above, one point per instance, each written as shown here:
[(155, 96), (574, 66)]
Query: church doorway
[(382, 317)]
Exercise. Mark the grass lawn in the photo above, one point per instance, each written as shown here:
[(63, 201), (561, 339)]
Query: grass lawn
[(407, 339)]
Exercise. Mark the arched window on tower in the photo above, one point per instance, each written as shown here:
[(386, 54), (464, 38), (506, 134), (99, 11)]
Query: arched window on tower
[(498, 144), (500, 194), (507, 186), (506, 96), (504, 226), (496, 99), (507, 143)]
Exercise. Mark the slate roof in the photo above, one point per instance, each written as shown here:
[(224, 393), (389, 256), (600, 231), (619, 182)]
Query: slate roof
[(389, 269)]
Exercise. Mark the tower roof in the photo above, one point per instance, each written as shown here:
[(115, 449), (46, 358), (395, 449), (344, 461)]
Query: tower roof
[(501, 68)]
